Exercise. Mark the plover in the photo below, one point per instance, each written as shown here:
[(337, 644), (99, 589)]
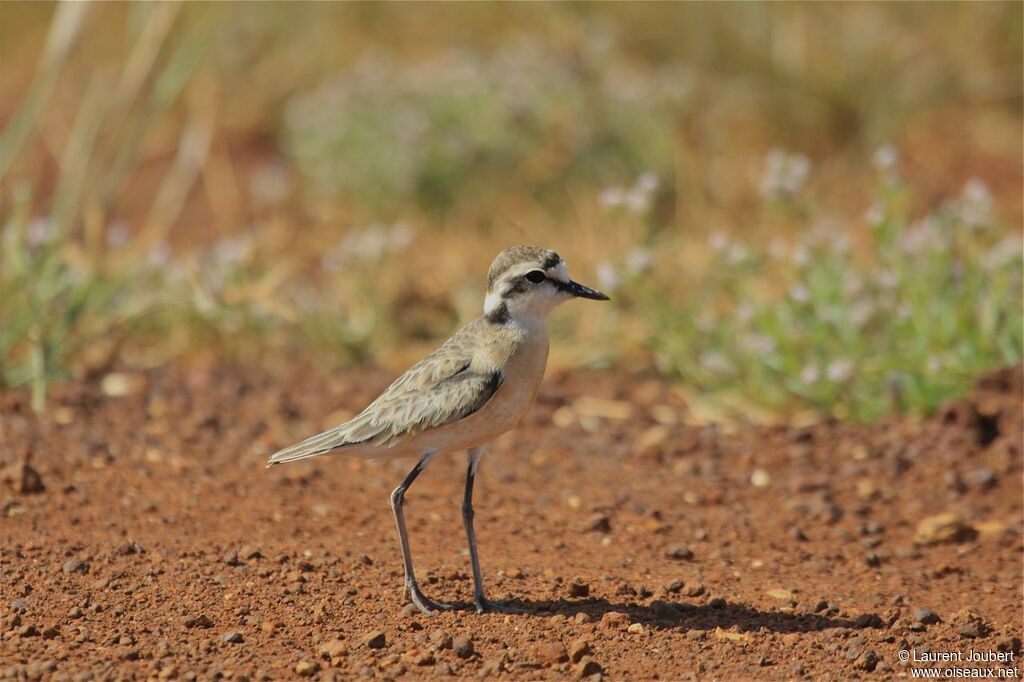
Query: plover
[(475, 387)]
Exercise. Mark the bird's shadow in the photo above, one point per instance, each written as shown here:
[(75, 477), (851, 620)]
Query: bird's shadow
[(665, 615)]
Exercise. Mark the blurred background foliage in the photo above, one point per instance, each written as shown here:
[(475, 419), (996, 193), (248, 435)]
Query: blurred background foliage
[(797, 207)]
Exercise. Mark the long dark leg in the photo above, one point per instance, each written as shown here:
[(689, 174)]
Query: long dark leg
[(483, 604), (424, 603)]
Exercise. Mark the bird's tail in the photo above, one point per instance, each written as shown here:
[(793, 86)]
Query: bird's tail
[(320, 444)]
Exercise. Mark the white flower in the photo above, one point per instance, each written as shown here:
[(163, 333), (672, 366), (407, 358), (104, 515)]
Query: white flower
[(861, 313), (885, 158), (639, 260), (231, 249), (810, 374), (400, 237), (801, 255), (647, 182), (1007, 249), (270, 183), (921, 235), (39, 232), (887, 279), (841, 243), (799, 293), (714, 361), (159, 254), (736, 254), (117, 235), (852, 284), (718, 242), (611, 197), (875, 215), (975, 204), (760, 344), (744, 312), (839, 371), (608, 277), (784, 174), (637, 201)]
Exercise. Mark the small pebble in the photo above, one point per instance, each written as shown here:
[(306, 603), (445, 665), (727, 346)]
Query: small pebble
[(614, 620), (232, 637), (693, 590), (374, 639), (549, 653), (306, 668), (200, 621), (866, 661), (463, 646), (579, 588), (587, 667), (578, 649), (440, 639), (333, 650), (249, 553), (599, 523), (679, 553)]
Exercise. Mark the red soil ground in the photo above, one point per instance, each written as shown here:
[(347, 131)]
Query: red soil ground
[(641, 547)]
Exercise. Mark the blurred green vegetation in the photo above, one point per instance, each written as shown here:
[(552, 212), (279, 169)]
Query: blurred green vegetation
[(798, 206)]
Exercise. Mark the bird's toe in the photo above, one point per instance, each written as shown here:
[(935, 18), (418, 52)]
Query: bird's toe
[(491, 606)]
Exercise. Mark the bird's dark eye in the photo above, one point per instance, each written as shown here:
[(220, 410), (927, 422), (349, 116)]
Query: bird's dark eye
[(535, 276)]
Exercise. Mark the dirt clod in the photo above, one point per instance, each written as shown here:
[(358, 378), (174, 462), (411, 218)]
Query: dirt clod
[(75, 566), (333, 650), (599, 523), (198, 621), (306, 668), (942, 528), (587, 667), (679, 553), (548, 653), (578, 649), (374, 639), (463, 646), (579, 588), (614, 620), (866, 661), (440, 639)]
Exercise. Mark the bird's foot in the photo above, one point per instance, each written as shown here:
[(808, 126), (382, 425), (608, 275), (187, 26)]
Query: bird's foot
[(484, 605), (426, 604)]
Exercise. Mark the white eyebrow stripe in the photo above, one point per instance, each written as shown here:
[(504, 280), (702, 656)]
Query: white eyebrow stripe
[(559, 272)]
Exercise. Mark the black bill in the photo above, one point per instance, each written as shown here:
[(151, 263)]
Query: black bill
[(580, 291)]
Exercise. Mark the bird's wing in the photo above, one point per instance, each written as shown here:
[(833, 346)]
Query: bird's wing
[(440, 389)]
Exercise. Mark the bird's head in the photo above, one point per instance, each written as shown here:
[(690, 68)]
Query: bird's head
[(529, 281)]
